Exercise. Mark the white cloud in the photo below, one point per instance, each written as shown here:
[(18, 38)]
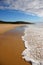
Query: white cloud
[(35, 7)]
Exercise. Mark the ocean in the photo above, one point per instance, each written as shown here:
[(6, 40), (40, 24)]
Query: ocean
[(33, 41)]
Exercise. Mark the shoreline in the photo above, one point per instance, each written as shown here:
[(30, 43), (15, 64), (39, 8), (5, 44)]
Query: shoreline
[(6, 27), (32, 38)]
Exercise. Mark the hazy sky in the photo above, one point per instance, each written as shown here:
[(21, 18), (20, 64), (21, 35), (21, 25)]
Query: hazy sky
[(24, 10)]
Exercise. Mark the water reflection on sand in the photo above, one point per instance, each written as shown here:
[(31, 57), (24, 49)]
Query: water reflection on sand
[(11, 47)]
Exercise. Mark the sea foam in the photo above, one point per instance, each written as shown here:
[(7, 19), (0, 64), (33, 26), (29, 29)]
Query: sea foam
[(33, 41)]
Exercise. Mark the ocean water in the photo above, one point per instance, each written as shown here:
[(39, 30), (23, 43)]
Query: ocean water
[(33, 41)]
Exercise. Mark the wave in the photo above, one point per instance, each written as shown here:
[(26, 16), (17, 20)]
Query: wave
[(33, 41)]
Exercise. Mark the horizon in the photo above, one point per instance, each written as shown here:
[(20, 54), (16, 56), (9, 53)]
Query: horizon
[(25, 10)]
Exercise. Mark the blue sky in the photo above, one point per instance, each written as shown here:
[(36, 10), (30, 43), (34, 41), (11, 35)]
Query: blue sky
[(21, 10)]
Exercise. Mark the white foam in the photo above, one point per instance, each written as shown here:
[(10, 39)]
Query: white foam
[(33, 40)]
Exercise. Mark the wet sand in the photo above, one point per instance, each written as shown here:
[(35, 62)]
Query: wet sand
[(7, 27), (11, 47)]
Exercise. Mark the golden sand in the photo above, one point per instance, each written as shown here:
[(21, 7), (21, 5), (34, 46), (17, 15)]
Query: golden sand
[(6, 27), (11, 47)]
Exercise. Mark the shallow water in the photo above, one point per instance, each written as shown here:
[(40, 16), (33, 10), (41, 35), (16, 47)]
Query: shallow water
[(18, 30)]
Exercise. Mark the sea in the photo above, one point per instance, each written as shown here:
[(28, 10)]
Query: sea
[(33, 41)]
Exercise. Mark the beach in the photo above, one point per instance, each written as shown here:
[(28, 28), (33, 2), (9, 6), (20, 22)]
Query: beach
[(11, 45), (7, 27)]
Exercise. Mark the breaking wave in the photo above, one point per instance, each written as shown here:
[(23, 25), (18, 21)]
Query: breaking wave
[(33, 41)]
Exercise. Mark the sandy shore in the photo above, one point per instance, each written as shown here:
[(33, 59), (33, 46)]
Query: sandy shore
[(11, 47), (6, 27)]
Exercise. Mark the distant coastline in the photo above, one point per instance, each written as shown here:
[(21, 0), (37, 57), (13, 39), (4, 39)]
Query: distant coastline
[(16, 22)]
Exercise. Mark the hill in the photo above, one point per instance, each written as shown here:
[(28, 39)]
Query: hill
[(16, 22)]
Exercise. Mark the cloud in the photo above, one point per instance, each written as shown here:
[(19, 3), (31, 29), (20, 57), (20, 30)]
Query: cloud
[(35, 7)]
